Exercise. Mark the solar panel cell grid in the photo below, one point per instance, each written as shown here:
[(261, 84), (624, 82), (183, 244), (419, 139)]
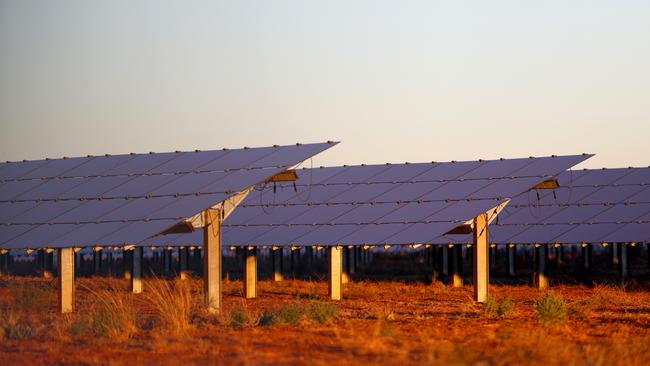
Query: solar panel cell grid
[(101, 200)]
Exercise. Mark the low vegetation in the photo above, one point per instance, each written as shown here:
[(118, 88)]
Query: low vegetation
[(172, 304), (495, 308), (551, 309), (378, 322)]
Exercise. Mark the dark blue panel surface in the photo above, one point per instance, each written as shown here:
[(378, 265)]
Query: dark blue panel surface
[(112, 200)]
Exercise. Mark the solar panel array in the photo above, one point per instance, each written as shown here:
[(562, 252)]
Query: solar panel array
[(590, 206), (123, 199), (378, 204)]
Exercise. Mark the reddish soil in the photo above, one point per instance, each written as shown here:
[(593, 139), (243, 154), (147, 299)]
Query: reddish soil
[(378, 322)]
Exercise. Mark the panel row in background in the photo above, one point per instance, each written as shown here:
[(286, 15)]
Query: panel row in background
[(378, 204)]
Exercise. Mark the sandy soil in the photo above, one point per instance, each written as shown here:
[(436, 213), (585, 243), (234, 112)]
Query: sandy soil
[(378, 322)]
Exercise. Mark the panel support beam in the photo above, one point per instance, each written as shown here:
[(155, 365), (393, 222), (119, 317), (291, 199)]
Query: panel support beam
[(212, 260), (250, 273), (66, 280), (183, 262), (136, 270), (586, 255), (126, 263), (345, 276), (541, 274), (445, 260), (624, 264), (512, 254), (480, 258), (335, 265), (457, 265), (276, 260)]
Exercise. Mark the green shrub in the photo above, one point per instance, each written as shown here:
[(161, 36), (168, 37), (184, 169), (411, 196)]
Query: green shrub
[(498, 308), (16, 325), (323, 312), (111, 315), (81, 326), (290, 313), (238, 318), (551, 309), (30, 298)]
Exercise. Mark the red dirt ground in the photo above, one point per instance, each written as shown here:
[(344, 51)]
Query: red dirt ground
[(383, 322)]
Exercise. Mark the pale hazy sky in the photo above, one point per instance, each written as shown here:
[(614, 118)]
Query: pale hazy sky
[(393, 80)]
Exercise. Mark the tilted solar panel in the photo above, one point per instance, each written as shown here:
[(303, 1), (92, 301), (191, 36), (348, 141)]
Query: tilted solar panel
[(115, 200), (378, 204), (590, 206)]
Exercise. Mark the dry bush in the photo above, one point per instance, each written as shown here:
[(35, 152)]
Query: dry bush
[(323, 312), (551, 309), (18, 325), (111, 314), (239, 318), (290, 313), (172, 304), (32, 298), (494, 308), (20, 320)]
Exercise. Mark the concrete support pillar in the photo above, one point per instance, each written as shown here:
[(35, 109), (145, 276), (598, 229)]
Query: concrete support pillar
[(345, 275), (4, 262), (445, 260), (309, 259), (481, 258), (512, 255), (276, 260), (48, 262), (167, 261), (493, 256), (183, 262), (295, 261), (212, 260), (357, 257), (110, 261), (615, 258), (78, 262), (126, 263), (624, 265), (541, 274), (335, 266), (97, 261), (457, 265), (352, 269), (196, 260), (136, 269), (66, 280), (250, 273), (586, 255)]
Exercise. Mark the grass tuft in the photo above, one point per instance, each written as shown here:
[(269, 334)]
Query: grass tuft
[(494, 308), (551, 309), (111, 315), (171, 302), (32, 298), (239, 318), (290, 313), (323, 312)]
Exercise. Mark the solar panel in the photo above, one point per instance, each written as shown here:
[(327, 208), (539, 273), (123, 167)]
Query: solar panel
[(604, 205), (115, 200), (378, 204)]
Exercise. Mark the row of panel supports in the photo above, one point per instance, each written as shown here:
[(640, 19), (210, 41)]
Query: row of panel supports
[(338, 265)]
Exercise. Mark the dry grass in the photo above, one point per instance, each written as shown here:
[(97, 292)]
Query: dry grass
[(111, 314), (172, 304), (377, 323)]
